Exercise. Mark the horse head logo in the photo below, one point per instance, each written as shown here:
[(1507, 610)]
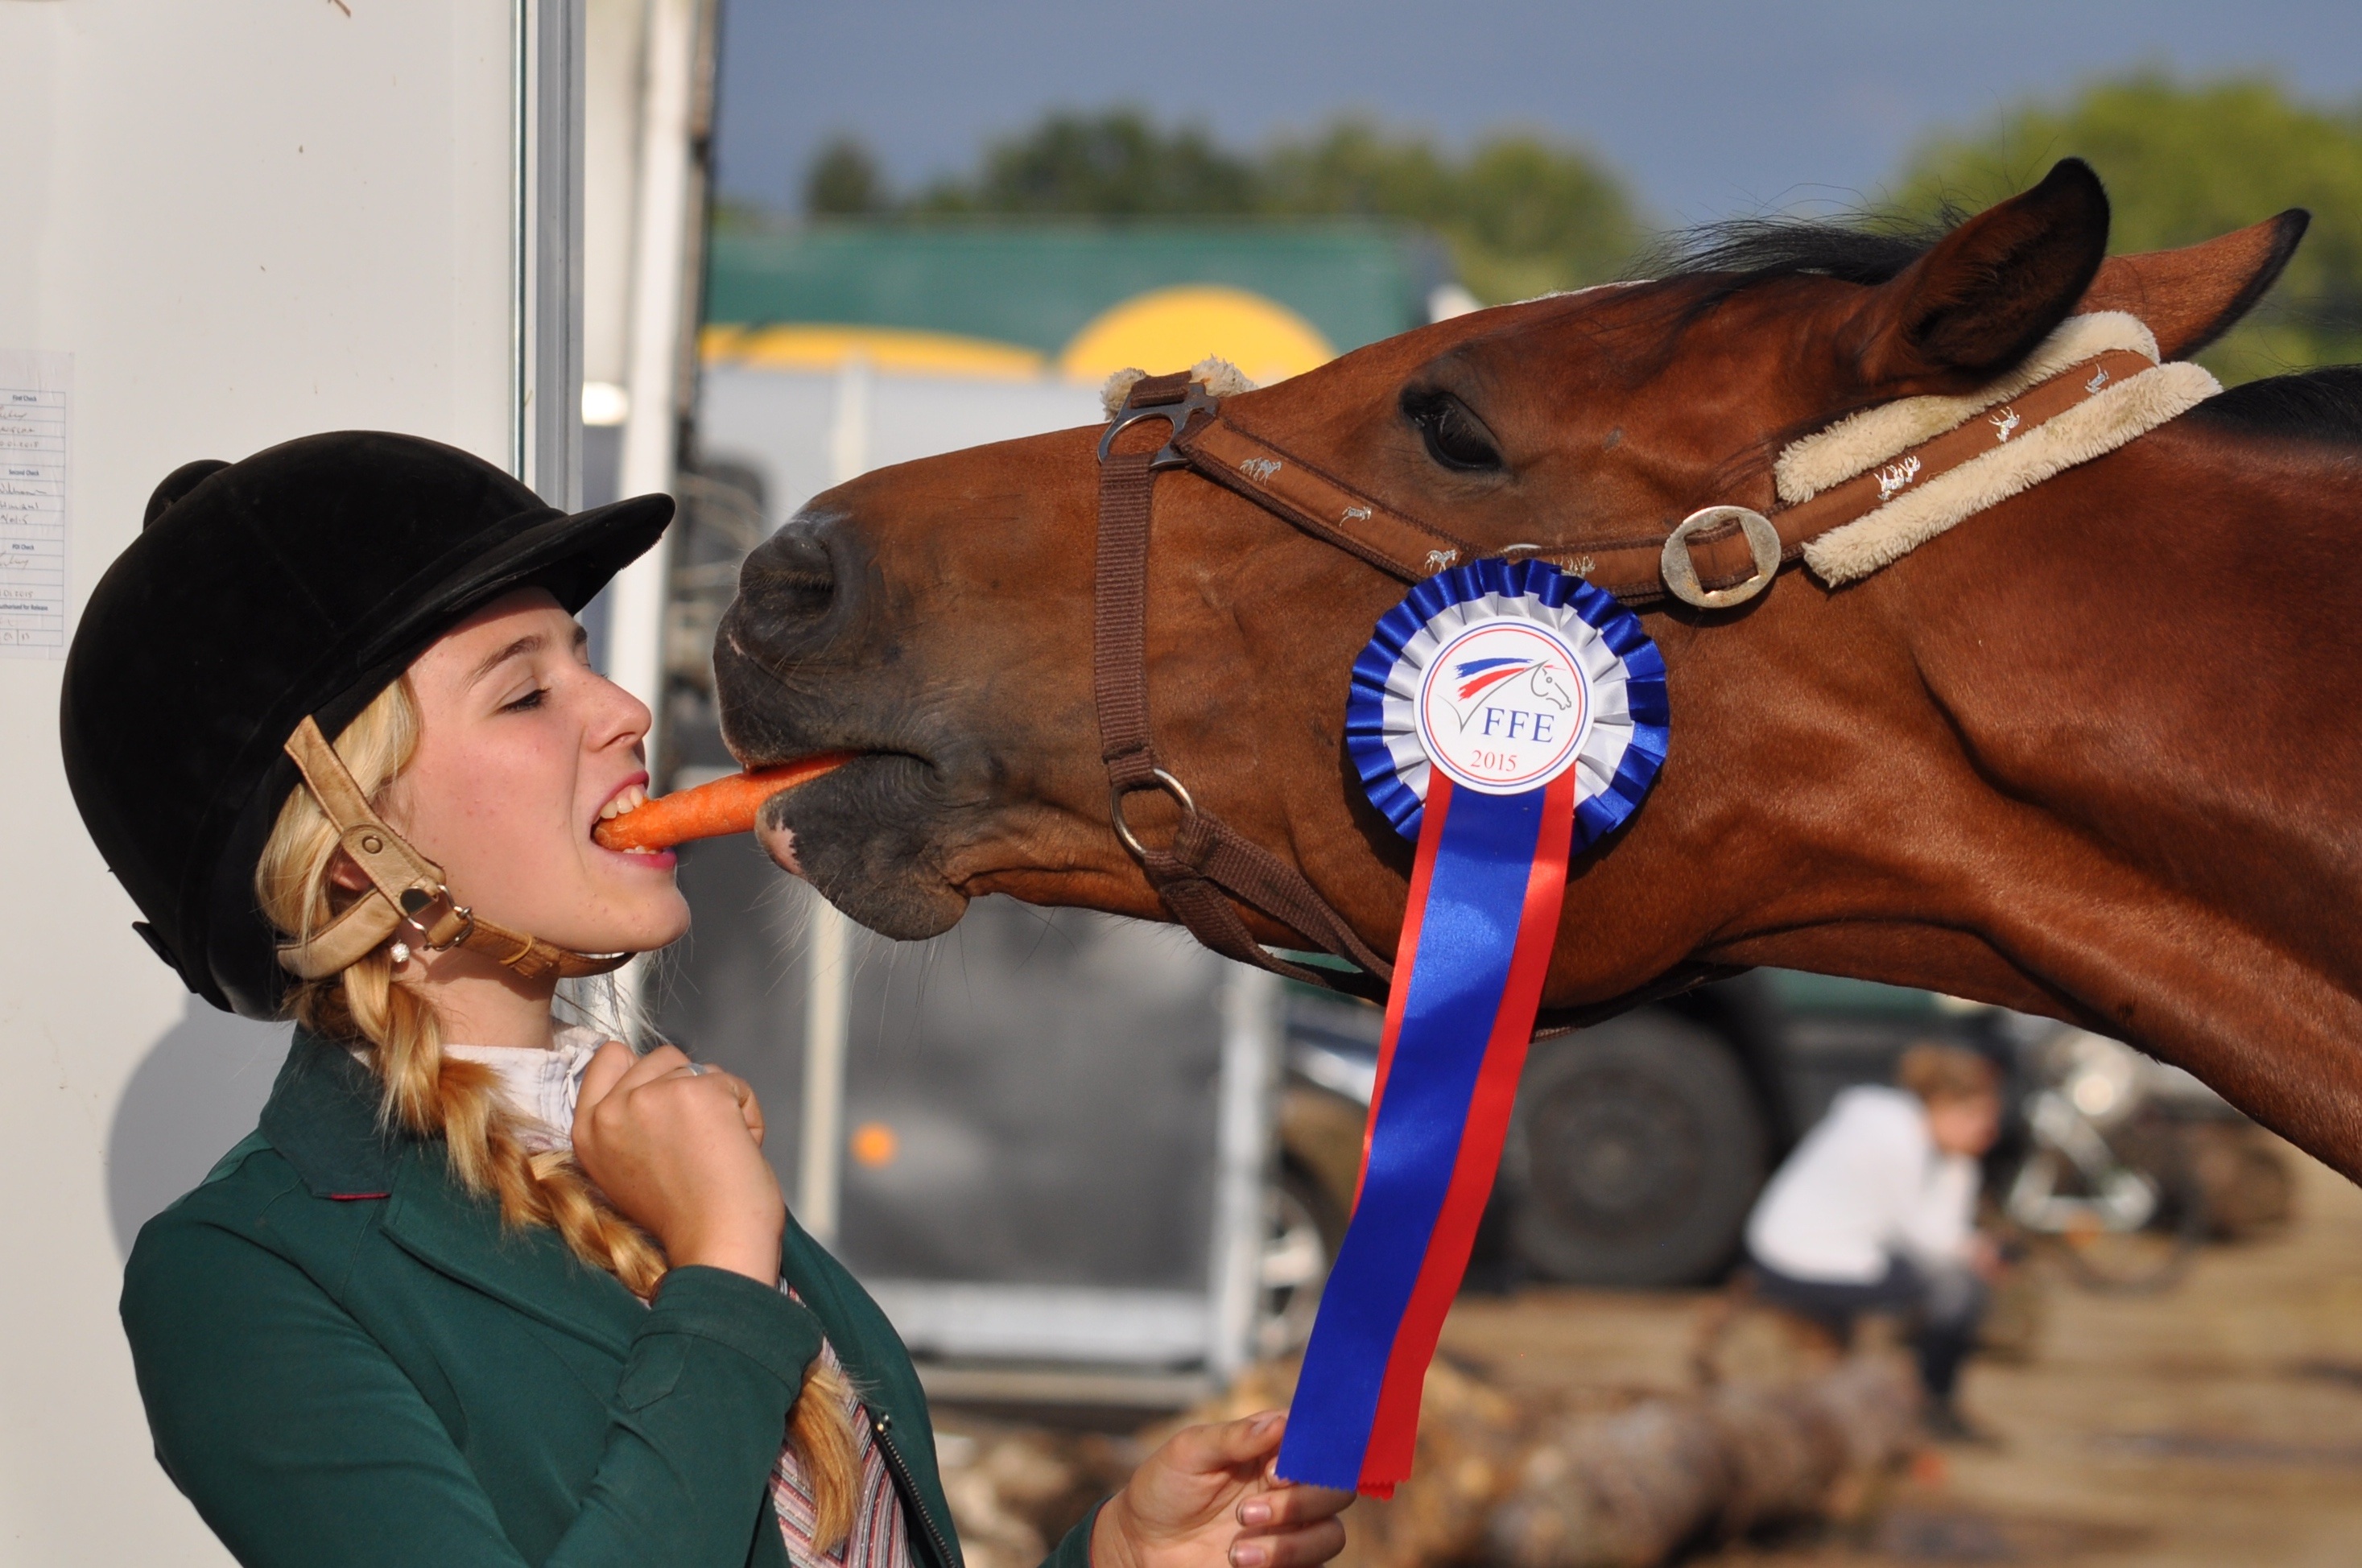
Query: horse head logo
[(1547, 688), (1480, 683)]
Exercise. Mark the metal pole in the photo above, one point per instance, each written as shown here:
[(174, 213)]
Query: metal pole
[(548, 250), (1252, 1000), (828, 1017), (663, 185), (827, 991), (636, 656)]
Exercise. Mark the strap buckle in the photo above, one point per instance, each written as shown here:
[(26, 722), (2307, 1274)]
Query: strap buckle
[(1157, 780), (1175, 410), (1681, 573), (440, 921)]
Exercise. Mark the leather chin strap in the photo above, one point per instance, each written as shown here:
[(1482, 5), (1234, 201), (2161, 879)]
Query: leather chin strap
[(406, 889)]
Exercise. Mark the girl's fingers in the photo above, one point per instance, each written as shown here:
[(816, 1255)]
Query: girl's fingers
[(616, 1071), (1227, 1445), (606, 1070), (1288, 1506), (1314, 1544), (750, 1110), (659, 1063)]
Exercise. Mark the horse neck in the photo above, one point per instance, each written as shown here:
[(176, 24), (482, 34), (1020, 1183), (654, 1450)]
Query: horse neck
[(2193, 505), (2280, 481)]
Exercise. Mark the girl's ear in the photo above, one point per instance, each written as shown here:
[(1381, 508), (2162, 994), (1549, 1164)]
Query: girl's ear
[(346, 872)]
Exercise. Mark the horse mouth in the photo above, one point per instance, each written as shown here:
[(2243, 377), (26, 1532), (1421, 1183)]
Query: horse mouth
[(861, 836), (870, 836)]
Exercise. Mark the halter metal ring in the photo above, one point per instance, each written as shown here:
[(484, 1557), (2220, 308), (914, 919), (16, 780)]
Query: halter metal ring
[(1175, 414), (1159, 779), (1681, 573)]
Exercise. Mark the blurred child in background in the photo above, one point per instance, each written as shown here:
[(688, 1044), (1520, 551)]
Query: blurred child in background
[(1874, 1212)]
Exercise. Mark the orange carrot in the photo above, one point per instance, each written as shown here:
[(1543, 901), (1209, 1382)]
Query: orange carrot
[(712, 810)]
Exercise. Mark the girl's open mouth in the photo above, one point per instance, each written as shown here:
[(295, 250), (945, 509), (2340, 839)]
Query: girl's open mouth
[(725, 806)]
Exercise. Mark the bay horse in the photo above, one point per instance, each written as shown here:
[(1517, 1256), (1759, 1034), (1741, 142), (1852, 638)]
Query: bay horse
[(2093, 753)]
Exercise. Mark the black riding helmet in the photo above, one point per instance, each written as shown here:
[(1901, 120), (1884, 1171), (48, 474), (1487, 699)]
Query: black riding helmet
[(299, 582)]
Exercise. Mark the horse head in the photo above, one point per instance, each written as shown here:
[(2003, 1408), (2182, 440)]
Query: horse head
[(1851, 768)]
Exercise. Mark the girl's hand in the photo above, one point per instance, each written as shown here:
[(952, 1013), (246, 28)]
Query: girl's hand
[(1208, 1498), (679, 1154)]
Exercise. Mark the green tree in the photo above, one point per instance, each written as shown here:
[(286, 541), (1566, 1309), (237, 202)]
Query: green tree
[(2185, 161), (1116, 164), (1520, 214), (843, 180)]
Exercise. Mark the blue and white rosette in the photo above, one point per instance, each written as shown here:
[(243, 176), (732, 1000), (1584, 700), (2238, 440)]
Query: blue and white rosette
[(1503, 716), (1626, 719)]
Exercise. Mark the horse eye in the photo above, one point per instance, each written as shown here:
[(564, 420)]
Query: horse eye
[(1454, 438)]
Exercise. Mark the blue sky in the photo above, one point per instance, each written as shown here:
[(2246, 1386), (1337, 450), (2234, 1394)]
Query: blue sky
[(1708, 107)]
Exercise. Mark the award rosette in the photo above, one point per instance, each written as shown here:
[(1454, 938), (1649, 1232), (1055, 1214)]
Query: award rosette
[(1504, 716)]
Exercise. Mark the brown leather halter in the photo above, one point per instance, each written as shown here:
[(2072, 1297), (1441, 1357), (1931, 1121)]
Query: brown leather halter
[(1717, 556)]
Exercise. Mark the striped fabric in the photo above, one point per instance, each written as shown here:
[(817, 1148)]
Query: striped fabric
[(879, 1539)]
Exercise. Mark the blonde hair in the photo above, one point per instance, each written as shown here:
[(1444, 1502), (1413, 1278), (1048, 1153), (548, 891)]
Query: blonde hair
[(1935, 1072), (427, 1094)]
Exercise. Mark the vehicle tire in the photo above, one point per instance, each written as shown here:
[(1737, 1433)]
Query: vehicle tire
[(1300, 1235), (1634, 1152)]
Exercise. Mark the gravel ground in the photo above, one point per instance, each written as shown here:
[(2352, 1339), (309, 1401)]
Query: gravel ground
[(2218, 1424)]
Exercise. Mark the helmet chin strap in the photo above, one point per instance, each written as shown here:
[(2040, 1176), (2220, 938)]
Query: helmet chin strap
[(406, 889)]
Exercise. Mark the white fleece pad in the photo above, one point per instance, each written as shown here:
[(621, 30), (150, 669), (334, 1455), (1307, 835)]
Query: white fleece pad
[(1222, 379), (2098, 426)]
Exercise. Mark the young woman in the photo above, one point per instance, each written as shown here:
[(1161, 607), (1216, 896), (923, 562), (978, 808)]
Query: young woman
[(482, 1289)]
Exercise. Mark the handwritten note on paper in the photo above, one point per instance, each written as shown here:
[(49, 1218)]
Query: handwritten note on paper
[(35, 402)]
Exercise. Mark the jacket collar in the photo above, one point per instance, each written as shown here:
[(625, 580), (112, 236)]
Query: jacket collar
[(322, 1117)]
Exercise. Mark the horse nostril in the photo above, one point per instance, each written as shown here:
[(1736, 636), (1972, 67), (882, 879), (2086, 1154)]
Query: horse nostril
[(789, 574)]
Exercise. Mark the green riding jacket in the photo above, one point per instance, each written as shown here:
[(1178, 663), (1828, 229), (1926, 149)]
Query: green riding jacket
[(346, 1359)]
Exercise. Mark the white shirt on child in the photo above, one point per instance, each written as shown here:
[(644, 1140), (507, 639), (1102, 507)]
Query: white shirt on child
[(1867, 1184)]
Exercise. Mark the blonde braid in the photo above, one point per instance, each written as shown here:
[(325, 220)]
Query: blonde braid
[(430, 1096)]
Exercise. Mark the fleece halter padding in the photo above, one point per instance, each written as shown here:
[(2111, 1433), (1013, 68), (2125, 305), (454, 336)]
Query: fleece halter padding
[(2019, 459)]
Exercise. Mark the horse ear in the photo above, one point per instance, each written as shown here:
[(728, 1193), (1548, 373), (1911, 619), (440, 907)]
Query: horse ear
[(2191, 296), (1979, 300)]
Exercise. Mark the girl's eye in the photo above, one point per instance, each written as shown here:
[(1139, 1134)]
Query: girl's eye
[(530, 700)]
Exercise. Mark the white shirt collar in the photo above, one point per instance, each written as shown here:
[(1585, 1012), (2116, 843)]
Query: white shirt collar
[(540, 1086)]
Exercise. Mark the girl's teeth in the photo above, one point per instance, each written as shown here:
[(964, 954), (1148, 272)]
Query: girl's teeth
[(630, 800)]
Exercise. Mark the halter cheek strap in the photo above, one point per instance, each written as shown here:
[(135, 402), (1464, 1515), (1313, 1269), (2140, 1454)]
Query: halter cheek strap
[(405, 888)]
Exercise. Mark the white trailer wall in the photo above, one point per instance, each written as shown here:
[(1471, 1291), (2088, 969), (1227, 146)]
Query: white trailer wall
[(244, 221)]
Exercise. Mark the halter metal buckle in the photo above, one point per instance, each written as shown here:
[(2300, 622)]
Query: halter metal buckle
[(1681, 573), (1177, 413), (1157, 780)]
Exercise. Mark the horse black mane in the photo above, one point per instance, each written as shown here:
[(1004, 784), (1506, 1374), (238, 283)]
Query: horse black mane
[(2323, 405), (2311, 406), (1744, 252)]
